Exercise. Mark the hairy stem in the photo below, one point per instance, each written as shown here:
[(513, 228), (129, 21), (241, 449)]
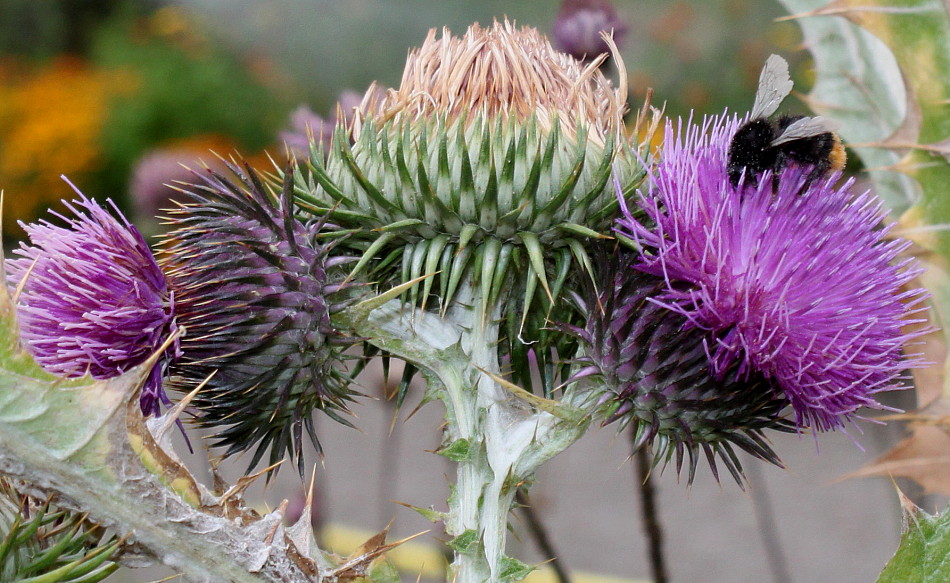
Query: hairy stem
[(495, 435)]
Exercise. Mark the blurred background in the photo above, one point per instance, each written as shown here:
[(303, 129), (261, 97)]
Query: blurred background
[(116, 95), (95, 88)]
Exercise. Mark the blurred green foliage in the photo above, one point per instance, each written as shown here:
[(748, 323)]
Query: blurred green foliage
[(186, 87), (102, 84), (703, 55), (43, 29)]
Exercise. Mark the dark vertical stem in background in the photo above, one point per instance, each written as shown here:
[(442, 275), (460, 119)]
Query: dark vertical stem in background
[(388, 477), (768, 529), (651, 519), (540, 536)]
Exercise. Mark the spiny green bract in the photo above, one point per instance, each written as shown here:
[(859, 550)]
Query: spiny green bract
[(502, 205), (42, 543)]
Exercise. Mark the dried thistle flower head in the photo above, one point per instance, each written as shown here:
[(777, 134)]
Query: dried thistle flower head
[(489, 167), (504, 71)]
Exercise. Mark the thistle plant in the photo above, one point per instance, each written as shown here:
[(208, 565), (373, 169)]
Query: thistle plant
[(475, 188), (490, 222)]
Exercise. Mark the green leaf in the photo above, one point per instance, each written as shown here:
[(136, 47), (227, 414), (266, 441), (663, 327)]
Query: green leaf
[(513, 569), (465, 543), (867, 102), (924, 552), (384, 571), (427, 513), (459, 450), (883, 72)]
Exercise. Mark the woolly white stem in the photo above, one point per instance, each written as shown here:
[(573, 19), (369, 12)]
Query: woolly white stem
[(503, 439)]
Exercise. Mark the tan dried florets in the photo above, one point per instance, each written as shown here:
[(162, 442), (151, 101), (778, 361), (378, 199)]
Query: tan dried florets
[(503, 71)]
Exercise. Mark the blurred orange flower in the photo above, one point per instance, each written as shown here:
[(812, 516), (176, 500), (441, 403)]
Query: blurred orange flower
[(50, 122)]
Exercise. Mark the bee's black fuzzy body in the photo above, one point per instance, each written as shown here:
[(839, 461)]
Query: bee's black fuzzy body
[(752, 152)]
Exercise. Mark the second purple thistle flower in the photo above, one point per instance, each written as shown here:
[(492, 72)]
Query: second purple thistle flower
[(93, 299), (793, 280)]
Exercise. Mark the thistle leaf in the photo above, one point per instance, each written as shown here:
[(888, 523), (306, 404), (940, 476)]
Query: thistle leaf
[(924, 550), (459, 450), (882, 72), (465, 543), (513, 569), (75, 437)]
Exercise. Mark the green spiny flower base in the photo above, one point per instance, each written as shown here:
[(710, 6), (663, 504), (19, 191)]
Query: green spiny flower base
[(507, 205)]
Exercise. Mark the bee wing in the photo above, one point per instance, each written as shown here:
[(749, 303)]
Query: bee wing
[(805, 127), (774, 85)]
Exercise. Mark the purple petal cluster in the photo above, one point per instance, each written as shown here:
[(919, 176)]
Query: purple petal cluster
[(793, 280), (155, 179), (93, 298)]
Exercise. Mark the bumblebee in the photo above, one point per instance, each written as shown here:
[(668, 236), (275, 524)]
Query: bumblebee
[(762, 143)]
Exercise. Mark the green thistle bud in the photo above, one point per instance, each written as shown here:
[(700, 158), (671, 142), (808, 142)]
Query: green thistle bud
[(490, 164), (253, 293)]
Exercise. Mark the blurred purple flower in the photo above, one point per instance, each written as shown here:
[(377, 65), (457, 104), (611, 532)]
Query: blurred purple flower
[(797, 282), (154, 180), (304, 123), (577, 29), (94, 299)]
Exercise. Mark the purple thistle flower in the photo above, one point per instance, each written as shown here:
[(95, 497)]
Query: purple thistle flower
[(790, 279), (93, 299), (155, 179), (305, 124), (253, 295), (657, 377)]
